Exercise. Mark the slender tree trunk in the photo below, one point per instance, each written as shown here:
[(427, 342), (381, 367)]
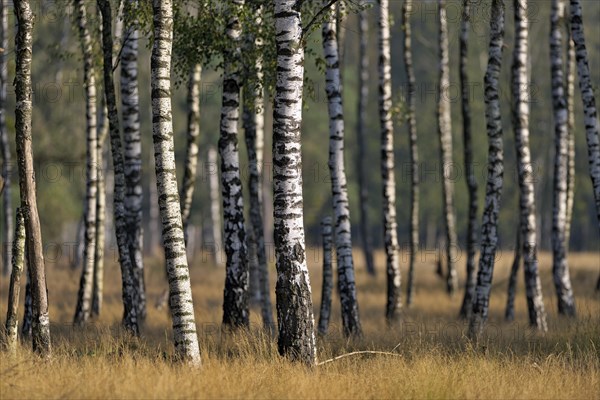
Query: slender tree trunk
[(570, 72), (180, 291), (560, 266), (327, 288), (133, 152), (294, 299), (361, 130), (520, 91), (489, 226), (445, 135), (343, 238), (86, 285), (7, 222), (465, 310), (414, 153), (18, 257), (130, 319), (254, 126), (191, 153), (28, 305), (215, 208), (235, 303), (23, 47), (394, 300), (587, 97), (509, 313)]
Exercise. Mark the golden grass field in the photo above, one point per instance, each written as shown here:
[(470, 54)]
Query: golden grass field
[(433, 359)]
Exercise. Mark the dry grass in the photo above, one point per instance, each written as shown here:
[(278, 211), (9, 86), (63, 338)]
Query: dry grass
[(435, 360)]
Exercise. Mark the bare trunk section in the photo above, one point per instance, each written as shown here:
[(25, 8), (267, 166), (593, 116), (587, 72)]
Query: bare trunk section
[(571, 67), (180, 290), (215, 208), (560, 266), (7, 222), (509, 313), (390, 234), (489, 225), (294, 299), (361, 131), (520, 118), (467, 306), (86, 285), (18, 258), (327, 288)]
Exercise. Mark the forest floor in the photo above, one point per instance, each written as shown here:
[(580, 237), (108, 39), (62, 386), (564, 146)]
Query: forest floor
[(434, 360)]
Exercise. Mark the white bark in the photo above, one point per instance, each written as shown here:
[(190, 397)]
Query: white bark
[(18, 258)]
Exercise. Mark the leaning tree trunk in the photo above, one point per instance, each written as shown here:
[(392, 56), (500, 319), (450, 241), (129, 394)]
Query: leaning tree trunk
[(414, 153), (343, 238), (520, 118), (254, 126), (215, 208), (133, 153), (7, 222), (130, 320), (180, 290), (86, 285), (363, 79), (489, 226), (39, 296), (465, 309), (235, 302), (294, 299), (28, 303), (390, 234), (445, 136), (560, 266), (570, 73), (509, 313), (191, 152), (589, 102), (18, 258), (327, 287)]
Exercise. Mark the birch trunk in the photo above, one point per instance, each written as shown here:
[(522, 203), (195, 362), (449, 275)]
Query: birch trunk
[(180, 291), (7, 222), (23, 47), (28, 304), (587, 97), (327, 288), (520, 117), (294, 299), (489, 225), (445, 135), (414, 153), (465, 310), (560, 266), (509, 313), (18, 257), (215, 208), (570, 72), (235, 302), (130, 319), (390, 234), (86, 285), (363, 79), (343, 238)]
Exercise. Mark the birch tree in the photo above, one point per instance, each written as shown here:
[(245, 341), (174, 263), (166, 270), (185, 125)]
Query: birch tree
[(327, 287), (390, 234), (560, 266), (235, 302), (520, 118), (180, 291), (414, 154), (215, 208), (495, 173), (465, 309), (27, 185), (343, 238), (570, 100), (86, 285), (294, 299), (445, 136), (18, 258), (7, 222)]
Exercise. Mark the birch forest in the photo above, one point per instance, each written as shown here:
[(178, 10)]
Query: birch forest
[(294, 199)]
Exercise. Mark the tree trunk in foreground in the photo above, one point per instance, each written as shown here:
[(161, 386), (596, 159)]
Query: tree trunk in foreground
[(294, 299), (86, 285), (520, 118), (467, 306), (180, 290), (390, 234), (509, 313), (327, 288), (560, 266), (7, 222), (23, 47), (343, 238), (489, 225), (18, 258)]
